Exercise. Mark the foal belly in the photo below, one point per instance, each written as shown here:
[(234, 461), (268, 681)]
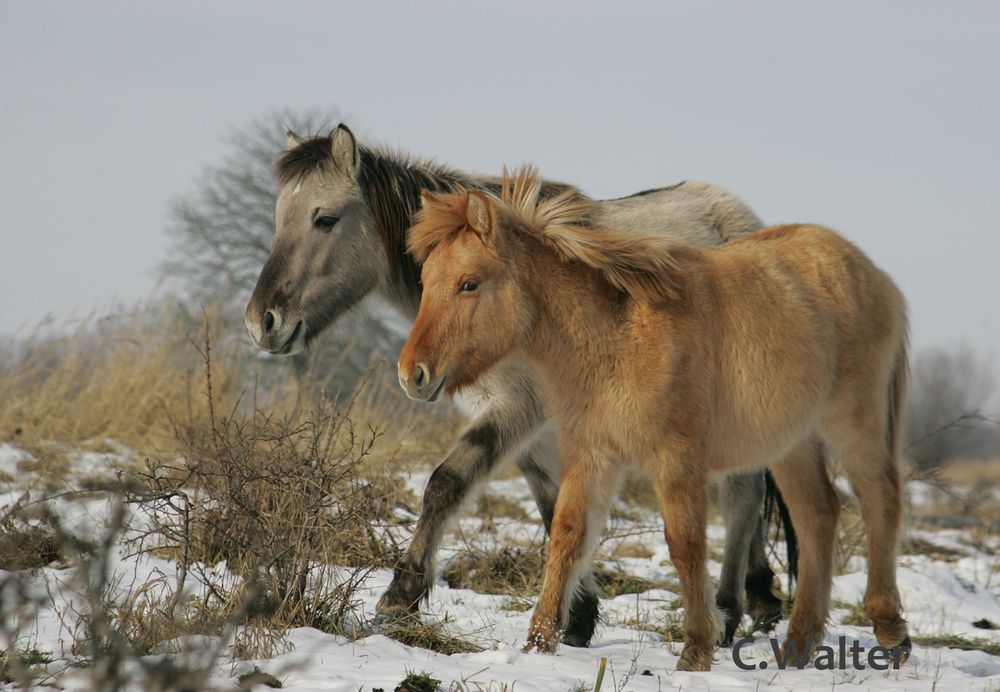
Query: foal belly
[(766, 416)]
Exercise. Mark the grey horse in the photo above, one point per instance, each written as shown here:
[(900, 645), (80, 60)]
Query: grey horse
[(341, 218)]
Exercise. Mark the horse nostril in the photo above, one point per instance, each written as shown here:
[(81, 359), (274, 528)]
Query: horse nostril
[(268, 321), (420, 376)]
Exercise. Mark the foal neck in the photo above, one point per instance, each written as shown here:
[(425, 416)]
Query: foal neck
[(579, 316)]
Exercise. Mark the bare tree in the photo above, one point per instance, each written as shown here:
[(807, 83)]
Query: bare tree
[(946, 416)]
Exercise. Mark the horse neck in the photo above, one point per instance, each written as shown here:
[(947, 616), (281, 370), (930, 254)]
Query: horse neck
[(391, 186)]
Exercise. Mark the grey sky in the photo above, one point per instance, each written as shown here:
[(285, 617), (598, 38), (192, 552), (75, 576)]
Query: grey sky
[(879, 119)]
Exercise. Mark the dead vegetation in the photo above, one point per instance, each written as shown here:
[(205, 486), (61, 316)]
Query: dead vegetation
[(272, 500), (508, 571)]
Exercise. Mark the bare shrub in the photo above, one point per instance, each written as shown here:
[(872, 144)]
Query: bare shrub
[(290, 505)]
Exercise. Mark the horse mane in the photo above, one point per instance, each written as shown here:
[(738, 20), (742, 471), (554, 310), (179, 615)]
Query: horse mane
[(642, 266), (391, 183)]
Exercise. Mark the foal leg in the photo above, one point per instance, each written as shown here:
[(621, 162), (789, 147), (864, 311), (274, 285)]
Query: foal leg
[(740, 498), (874, 475), (487, 441), (585, 493), (683, 494), (540, 466), (813, 506)]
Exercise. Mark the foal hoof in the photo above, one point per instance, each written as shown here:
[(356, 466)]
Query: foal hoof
[(694, 662), (900, 648), (543, 643)]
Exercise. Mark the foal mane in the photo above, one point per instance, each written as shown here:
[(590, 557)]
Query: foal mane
[(642, 266)]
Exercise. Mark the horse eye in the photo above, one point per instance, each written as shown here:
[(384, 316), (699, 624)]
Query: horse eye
[(325, 223), (468, 287)]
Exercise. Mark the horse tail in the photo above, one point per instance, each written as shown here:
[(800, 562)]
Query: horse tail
[(776, 512)]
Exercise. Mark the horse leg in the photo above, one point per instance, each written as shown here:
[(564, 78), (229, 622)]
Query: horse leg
[(683, 496), (764, 602), (740, 499), (585, 493), (812, 503), (540, 466), (478, 452)]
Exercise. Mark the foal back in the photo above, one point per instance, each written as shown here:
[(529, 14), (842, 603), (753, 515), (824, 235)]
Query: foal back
[(808, 326)]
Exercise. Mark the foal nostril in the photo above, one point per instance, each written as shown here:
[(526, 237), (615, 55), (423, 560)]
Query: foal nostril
[(270, 319), (420, 376)]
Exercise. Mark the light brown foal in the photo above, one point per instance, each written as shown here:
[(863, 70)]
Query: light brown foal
[(690, 362)]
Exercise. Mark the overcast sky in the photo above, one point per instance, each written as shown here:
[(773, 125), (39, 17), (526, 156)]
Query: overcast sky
[(877, 118)]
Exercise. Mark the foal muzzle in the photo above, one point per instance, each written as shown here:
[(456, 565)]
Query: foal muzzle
[(418, 383)]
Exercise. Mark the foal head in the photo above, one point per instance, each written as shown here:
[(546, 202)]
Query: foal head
[(473, 310), (486, 260)]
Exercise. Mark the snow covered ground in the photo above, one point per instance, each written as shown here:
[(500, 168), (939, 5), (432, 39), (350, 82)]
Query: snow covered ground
[(942, 597)]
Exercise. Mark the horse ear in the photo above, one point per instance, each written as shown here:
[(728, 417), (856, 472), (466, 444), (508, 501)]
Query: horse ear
[(293, 140), (478, 214), (344, 148)]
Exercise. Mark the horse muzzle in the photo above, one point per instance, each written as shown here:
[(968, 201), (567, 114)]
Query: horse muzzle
[(275, 333)]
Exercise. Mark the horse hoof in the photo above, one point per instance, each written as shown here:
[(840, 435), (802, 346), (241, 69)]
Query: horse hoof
[(766, 622), (576, 640), (729, 632), (381, 623)]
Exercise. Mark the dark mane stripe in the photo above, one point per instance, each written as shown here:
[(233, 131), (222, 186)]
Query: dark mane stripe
[(391, 184), (313, 154)]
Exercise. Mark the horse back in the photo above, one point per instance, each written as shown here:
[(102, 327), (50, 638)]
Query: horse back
[(694, 212)]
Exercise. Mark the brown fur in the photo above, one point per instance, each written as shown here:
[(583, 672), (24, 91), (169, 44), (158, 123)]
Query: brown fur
[(688, 361)]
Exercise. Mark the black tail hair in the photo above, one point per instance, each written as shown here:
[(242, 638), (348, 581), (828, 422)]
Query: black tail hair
[(776, 512)]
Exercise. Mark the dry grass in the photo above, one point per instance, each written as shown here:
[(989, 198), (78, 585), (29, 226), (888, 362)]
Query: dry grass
[(490, 507), (508, 571), (855, 615), (971, 472), (115, 378), (25, 544), (618, 582), (414, 631), (952, 641)]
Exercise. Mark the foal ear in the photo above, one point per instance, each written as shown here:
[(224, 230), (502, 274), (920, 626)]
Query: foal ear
[(293, 140), (427, 198), (478, 214), (344, 149)]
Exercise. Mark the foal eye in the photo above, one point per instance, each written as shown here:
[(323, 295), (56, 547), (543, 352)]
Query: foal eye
[(325, 223), (468, 287)]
